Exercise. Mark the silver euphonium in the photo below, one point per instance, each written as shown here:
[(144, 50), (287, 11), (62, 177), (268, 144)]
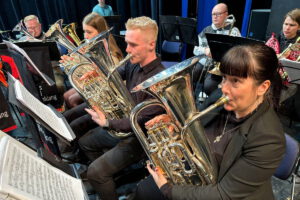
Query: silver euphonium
[(56, 34), (184, 155), (97, 80)]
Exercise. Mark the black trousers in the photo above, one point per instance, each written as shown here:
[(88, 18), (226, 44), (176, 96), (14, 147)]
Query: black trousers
[(148, 190), (79, 120), (121, 154)]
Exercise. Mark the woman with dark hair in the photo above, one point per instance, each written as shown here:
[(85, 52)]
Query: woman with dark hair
[(92, 25), (246, 136)]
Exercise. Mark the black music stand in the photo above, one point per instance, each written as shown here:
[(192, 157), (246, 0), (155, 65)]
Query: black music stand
[(169, 27), (51, 45), (114, 21), (179, 29), (220, 44), (293, 70), (188, 30)]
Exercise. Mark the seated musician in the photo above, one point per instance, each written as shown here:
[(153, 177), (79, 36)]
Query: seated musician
[(218, 26), (92, 24), (246, 136), (289, 35), (290, 29), (34, 27), (141, 37), (79, 120)]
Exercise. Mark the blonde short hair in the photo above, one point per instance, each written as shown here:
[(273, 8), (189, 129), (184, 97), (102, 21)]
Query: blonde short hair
[(31, 17), (145, 24)]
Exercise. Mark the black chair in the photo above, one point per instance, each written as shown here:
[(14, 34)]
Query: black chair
[(289, 166)]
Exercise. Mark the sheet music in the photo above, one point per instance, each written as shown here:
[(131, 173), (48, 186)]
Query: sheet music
[(293, 70), (290, 63), (27, 177), (43, 111), (12, 46)]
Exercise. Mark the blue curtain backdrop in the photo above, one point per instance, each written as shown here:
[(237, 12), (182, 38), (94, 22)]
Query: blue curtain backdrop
[(204, 13)]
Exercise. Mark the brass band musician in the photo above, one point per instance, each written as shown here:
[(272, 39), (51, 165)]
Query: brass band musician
[(141, 36), (246, 136)]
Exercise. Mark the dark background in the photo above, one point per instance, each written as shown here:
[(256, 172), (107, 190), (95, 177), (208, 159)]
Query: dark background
[(49, 11)]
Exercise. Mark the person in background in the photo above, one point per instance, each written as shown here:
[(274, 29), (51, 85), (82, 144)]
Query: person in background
[(290, 29), (103, 9), (79, 120), (246, 136), (34, 27), (290, 97), (219, 26)]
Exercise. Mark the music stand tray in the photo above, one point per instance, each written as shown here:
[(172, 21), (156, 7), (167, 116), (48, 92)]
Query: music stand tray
[(220, 44), (293, 70), (52, 46)]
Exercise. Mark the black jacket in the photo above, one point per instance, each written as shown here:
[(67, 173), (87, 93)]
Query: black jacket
[(250, 159)]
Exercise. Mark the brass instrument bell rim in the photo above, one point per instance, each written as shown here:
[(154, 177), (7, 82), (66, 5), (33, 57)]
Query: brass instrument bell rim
[(166, 73), (100, 36)]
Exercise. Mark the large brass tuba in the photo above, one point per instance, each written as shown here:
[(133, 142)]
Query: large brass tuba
[(97, 80), (184, 156)]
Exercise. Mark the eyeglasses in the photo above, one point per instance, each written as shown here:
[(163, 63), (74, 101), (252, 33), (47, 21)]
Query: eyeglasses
[(218, 14), (33, 27)]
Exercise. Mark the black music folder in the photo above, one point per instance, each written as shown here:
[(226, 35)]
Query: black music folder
[(293, 70), (220, 44), (13, 47), (45, 115)]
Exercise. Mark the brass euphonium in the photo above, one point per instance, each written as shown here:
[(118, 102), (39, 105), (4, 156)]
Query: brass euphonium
[(70, 30), (184, 155), (99, 83), (56, 34), (291, 51)]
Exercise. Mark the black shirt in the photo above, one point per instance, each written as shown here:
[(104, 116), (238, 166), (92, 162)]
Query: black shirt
[(284, 42), (133, 74)]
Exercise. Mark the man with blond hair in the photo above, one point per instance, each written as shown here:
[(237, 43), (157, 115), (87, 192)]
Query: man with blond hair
[(34, 27), (141, 37)]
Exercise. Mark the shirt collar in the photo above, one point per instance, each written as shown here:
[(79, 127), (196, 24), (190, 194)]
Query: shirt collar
[(153, 64), (220, 29)]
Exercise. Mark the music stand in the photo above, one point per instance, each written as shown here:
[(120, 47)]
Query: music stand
[(188, 30), (114, 21), (293, 70), (220, 44), (52, 46), (179, 29), (169, 27)]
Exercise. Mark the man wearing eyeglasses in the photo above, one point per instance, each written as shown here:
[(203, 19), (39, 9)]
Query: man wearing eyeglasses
[(206, 82), (34, 27)]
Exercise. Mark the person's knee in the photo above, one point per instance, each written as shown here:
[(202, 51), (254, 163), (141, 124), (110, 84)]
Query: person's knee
[(99, 171), (83, 143), (74, 100)]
